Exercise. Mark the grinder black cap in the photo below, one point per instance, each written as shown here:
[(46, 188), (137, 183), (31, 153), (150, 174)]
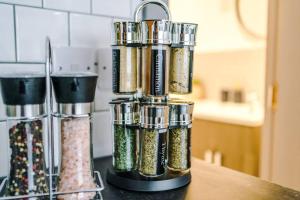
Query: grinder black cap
[(23, 89), (74, 87)]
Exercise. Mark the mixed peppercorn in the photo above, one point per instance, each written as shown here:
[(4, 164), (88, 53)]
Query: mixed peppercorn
[(27, 164)]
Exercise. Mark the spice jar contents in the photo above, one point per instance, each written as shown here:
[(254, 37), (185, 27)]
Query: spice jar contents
[(153, 152), (155, 68), (27, 164), (179, 148), (125, 148), (124, 69), (181, 70), (76, 173)]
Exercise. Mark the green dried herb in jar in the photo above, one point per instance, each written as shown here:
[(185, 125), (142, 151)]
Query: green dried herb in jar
[(125, 132), (153, 150), (125, 148), (179, 150)]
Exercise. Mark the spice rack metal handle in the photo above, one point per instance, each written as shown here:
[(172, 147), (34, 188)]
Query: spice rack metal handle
[(143, 4)]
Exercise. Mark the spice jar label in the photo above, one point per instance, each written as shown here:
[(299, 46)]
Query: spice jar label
[(116, 69), (162, 150), (191, 64), (158, 70)]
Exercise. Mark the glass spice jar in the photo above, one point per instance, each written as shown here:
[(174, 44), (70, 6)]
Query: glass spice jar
[(180, 127), (74, 95), (125, 133), (156, 40), (182, 57), (126, 41), (153, 139), (24, 98)]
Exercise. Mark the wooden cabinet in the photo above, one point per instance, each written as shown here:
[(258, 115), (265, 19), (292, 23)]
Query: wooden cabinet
[(239, 145)]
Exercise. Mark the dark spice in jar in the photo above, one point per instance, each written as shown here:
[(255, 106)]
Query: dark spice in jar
[(125, 148), (179, 148), (27, 164)]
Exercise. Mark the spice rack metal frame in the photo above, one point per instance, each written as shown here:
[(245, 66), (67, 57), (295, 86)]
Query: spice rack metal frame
[(133, 181)]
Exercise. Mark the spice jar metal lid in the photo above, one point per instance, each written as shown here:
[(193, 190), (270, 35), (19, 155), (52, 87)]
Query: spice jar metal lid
[(181, 112), (126, 32), (125, 111), (156, 32), (184, 34), (154, 116)]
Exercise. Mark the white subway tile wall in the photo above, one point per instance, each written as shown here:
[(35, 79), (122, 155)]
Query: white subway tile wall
[(33, 26), (90, 31), (102, 141), (119, 8), (37, 3), (7, 38), (83, 23), (69, 5), (24, 25)]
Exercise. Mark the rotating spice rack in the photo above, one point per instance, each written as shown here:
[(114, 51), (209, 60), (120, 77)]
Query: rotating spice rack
[(51, 170), (142, 52)]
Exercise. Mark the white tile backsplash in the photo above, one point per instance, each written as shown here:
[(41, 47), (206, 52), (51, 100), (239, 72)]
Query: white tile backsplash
[(120, 8), (70, 5), (90, 31), (7, 39), (33, 26), (24, 2), (102, 136)]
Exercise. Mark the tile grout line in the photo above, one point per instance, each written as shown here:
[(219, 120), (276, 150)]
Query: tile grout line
[(66, 11), (15, 33), (91, 6), (8, 62), (42, 3), (69, 30)]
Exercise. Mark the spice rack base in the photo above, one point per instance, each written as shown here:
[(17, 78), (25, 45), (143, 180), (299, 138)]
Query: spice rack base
[(136, 182)]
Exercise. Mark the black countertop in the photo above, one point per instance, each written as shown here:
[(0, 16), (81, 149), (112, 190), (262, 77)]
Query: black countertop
[(208, 183)]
